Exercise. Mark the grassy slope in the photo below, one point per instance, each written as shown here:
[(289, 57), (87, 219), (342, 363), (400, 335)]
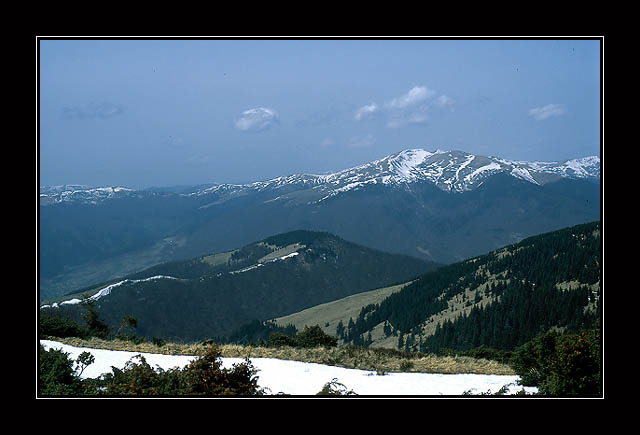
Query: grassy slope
[(328, 315)]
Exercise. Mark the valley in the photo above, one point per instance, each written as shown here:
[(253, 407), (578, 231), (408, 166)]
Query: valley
[(442, 206), (237, 264), (305, 279), (210, 296)]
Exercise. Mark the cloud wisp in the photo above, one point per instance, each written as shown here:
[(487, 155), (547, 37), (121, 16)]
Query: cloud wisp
[(257, 119), (416, 95), (365, 111), (92, 110), (413, 107), (548, 111)]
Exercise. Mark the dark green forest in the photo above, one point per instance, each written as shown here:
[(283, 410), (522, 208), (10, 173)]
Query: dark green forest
[(527, 301), (208, 301)]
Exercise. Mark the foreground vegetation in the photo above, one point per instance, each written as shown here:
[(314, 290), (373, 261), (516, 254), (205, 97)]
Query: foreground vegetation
[(558, 364), (541, 324), (204, 376)]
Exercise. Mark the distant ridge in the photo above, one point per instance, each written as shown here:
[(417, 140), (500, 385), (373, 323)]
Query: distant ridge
[(451, 171), (443, 206), (211, 295)]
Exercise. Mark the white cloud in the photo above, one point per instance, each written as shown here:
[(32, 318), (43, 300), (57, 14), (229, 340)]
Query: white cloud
[(93, 110), (547, 111), (258, 119), (365, 111), (412, 107), (444, 101), (411, 98)]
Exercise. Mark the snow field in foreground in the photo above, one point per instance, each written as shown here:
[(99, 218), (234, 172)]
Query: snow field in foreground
[(306, 379)]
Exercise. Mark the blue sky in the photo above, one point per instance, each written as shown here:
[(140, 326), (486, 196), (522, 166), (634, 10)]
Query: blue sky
[(142, 113)]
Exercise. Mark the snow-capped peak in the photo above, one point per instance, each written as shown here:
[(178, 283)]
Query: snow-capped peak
[(403, 163), (451, 171), (79, 193)]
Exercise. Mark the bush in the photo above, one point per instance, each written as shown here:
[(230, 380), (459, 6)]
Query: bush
[(158, 341), (204, 376), (576, 368), (140, 379), (480, 352), (335, 388), (277, 339), (313, 336), (56, 374), (532, 361), (561, 364), (61, 327)]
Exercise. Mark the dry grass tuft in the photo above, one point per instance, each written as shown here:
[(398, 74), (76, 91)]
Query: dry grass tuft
[(378, 360)]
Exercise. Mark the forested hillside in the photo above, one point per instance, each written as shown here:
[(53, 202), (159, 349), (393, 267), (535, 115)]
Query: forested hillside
[(499, 300), (212, 295)]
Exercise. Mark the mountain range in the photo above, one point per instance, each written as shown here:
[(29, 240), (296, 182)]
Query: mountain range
[(456, 171), (442, 206)]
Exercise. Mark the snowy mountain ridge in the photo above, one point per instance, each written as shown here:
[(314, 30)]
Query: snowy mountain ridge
[(450, 171), (457, 171), (80, 193)]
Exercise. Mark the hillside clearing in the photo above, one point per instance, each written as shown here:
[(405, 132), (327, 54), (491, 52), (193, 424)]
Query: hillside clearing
[(328, 315)]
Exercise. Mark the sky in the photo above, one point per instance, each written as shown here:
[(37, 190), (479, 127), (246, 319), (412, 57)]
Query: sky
[(151, 112)]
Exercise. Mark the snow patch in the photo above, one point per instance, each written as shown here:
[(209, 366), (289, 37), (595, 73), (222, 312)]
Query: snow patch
[(404, 163), (107, 290), (307, 379), (464, 165), (493, 166), (255, 266), (523, 174), (284, 257)]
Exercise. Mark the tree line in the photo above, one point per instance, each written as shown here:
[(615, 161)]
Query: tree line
[(526, 302)]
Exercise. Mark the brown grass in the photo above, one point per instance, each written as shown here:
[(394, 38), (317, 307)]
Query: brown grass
[(347, 357)]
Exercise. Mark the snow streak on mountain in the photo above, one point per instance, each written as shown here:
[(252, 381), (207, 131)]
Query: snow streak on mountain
[(450, 171)]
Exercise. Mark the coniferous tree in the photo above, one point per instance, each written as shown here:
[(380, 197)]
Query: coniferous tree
[(95, 325), (340, 330), (386, 328)]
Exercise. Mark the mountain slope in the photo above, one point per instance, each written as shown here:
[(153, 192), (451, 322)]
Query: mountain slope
[(501, 299), (212, 295), (443, 206), (455, 171)]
